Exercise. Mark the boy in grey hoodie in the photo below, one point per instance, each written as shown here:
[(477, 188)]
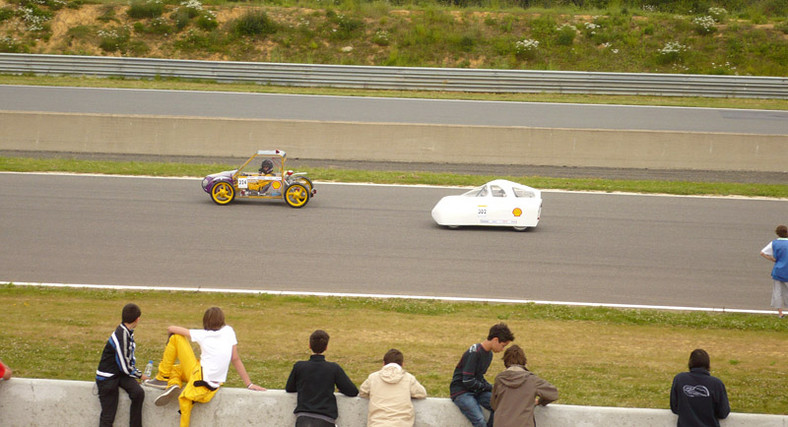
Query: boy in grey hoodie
[(517, 390)]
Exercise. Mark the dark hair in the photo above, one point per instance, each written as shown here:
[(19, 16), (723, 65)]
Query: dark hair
[(130, 313), (502, 332), (514, 355), (393, 356), (782, 231), (318, 341), (213, 319), (699, 359)]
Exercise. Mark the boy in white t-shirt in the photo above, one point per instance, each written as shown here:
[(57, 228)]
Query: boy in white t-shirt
[(203, 377)]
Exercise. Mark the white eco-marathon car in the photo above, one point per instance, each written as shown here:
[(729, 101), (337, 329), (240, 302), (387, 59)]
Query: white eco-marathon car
[(498, 203)]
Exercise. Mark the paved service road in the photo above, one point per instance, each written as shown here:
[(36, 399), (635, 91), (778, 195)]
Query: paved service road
[(601, 248), (389, 110)]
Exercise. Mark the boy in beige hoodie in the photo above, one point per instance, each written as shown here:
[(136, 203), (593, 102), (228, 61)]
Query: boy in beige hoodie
[(390, 391)]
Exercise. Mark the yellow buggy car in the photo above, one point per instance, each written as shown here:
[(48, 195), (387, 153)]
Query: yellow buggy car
[(263, 176)]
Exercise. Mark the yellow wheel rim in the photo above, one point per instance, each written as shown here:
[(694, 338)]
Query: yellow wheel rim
[(296, 195), (222, 193)]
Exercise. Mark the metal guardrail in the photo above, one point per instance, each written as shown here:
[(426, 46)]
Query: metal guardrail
[(402, 78)]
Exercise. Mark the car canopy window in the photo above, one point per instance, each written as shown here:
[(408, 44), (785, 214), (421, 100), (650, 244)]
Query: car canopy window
[(521, 192), (477, 192), (497, 191)]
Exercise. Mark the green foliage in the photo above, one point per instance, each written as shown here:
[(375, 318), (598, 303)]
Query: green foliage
[(194, 40), (343, 27), (136, 48), (6, 13), (81, 32), (543, 27), (254, 23), (381, 38), (182, 17), (566, 35), (156, 26), (74, 4), (114, 39), (617, 36), (10, 44), (207, 22), (145, 9)]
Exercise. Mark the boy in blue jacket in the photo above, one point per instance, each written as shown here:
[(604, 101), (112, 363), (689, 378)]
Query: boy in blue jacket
[(117, 369), (699, 399)]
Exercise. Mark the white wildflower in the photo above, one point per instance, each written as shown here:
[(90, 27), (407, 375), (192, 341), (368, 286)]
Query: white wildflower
[(672, 48), (705, 23)]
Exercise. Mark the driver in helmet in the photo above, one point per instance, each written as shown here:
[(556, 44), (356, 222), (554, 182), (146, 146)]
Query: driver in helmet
[(267, 167)]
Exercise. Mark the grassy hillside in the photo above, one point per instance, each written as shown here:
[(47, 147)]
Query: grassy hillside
[(687, 37)]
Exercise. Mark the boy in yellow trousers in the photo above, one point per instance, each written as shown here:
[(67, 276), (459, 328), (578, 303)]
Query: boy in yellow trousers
[(204, 376)]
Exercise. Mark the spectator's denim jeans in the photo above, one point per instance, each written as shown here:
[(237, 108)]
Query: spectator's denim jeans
[(471, 404)]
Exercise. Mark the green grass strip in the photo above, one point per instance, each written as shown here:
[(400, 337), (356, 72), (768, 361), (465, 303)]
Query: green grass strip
[(19, 164), (595, 356)]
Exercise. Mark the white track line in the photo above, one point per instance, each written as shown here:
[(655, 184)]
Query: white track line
[(384, 296)]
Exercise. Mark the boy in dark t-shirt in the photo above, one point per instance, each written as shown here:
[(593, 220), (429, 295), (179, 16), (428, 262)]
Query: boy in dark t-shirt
[(314, 381), (469, 390)]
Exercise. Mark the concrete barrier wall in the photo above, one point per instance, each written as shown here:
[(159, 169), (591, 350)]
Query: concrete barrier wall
[(119, 134), (36, 402)]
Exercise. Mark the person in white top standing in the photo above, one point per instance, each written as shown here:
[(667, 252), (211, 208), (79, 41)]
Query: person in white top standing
[(777, 252), (203, 377)]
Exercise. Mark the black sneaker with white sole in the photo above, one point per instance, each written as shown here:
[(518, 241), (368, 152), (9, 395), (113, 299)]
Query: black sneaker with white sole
[(164, 398)]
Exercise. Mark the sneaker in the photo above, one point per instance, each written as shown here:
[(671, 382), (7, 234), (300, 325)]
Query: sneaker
[(155, 383), (164, 398)]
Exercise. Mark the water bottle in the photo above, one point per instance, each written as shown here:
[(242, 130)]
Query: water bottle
[(149, 368)]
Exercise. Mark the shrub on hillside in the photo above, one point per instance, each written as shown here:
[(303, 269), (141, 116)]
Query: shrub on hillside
[(526, 48), (145, 9), (6, 13), (704, 24), (344, 27), (207, 21), (381, 38), (9, 44), (671, 53), (157, 26), (254, 23), (113, 39), (566, 35)]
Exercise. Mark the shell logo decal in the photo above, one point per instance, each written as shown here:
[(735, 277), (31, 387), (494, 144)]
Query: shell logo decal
[(517, 212)]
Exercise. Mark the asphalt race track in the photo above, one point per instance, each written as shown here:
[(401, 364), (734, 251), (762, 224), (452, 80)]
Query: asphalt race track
[(602, 248), (390, 110)]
